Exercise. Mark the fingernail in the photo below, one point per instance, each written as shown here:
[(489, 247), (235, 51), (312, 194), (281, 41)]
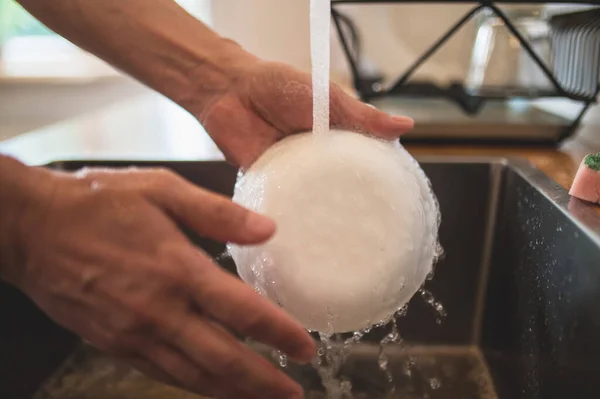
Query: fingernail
[(405, 120), (259, 225)]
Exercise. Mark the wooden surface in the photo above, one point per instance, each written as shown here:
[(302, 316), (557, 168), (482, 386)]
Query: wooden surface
[(560, 164)]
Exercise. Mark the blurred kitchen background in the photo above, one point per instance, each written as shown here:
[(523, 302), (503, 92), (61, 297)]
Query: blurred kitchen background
[(45, 80)]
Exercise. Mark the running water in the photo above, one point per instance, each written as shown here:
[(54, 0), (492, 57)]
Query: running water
[(320, 27)]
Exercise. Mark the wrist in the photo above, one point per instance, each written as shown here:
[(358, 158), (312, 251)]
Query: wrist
[(218, 69), (20, 189)]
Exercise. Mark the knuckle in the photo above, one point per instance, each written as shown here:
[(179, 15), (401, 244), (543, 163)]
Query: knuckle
[(164, 177), (177, 274), (132, 323), (179, 281), (208, 291)]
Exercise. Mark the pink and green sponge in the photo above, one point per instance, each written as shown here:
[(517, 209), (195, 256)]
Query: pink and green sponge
[(592, 161), (586, 185)]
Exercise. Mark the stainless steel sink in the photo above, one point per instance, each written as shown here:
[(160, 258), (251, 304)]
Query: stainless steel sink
[(520, 281)]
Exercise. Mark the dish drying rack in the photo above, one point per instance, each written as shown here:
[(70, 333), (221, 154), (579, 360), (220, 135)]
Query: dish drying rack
[(568, 77)]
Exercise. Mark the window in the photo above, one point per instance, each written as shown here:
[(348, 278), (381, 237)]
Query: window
[(200, 9), (24, 39), (15, 21)]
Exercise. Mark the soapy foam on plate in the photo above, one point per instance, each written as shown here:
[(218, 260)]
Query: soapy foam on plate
[(357, 227)]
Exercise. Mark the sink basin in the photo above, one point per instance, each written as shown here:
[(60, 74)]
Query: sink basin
[(520, 282)]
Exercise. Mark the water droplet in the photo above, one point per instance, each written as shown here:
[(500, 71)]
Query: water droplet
[(427, 296), (435, 383), (223, 256), (280, 357), (383, 362), (439, 308), (283, 360), (402, 312), (346, 387), (408, 366)]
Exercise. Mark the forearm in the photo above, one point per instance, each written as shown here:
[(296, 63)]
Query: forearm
[(18, 187), (156, 42)]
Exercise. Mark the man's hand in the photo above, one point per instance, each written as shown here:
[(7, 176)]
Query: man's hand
[(102, 255), (267, 101), (245, 104)]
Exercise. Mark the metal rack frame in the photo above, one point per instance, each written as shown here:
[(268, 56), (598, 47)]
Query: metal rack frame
[(469, 103)]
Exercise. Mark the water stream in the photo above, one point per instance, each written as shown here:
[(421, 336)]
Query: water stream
[(320, 28)]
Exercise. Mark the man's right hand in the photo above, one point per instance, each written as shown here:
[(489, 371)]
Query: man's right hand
[(100, 252)]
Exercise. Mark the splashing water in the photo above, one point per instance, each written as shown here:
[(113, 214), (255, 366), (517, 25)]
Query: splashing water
[(331, 356), (382, 359), (320, 26), (335, 348), (281, 358), (328, 364), (437, 306), (435, 383)]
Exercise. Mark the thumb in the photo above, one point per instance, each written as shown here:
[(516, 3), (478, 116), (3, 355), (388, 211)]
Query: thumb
[(212, 215), (353, 114)]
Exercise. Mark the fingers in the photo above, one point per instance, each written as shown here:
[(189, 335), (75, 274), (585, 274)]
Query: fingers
[(211, 215), (352, 114), (236, 305), (229, 364)]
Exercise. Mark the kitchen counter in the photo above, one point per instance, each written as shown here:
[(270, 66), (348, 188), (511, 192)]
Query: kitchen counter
[(151, 127), (146, 126), (560, 164)]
